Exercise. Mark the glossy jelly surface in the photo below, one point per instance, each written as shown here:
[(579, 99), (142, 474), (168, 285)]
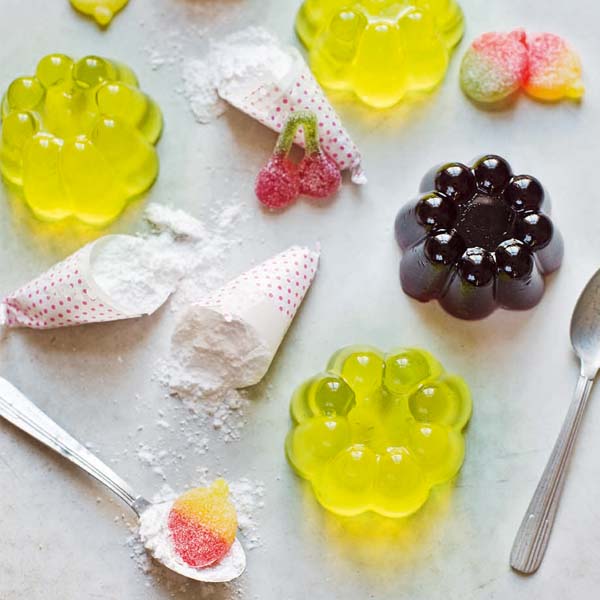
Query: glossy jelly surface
[(380, 49), (102, 11), (78, 138), (478, 238), (497, 65), (376, 431), (203, 524)]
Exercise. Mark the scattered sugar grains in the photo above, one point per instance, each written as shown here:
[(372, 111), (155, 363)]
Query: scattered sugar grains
[(252, 51), (182, 252), (196, 256)]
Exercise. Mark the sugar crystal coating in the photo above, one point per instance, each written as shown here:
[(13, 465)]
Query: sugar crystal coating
[(554, 68), (203, 524), (497, 65), (78, 138), (380, 49), (376, 432), (281, 181)]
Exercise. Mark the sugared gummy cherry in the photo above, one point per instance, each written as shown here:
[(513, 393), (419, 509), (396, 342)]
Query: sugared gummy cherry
[(514, 259), (436, 211), (535, 230), (524, 193), (278, 182), (456, 181), (492, 174), (281, 181), (477, 266), (444, 248)]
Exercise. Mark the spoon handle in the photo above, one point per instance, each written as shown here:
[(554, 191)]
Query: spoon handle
[(25, 415), (534, 533)]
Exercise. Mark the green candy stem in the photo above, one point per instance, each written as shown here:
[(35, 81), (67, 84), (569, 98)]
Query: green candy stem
[(308, 121)]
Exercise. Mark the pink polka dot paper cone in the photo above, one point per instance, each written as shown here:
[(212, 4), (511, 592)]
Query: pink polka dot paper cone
[(245, 321), (67, 294), (270, 102)]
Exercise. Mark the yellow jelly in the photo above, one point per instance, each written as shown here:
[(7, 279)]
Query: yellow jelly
[(78, 138), (376, 432), (101, 10), (380, 49)]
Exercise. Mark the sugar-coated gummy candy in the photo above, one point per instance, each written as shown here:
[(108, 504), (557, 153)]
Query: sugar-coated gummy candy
[(101, 10), (554, 68), (497, 65), (281, 181), (78, 138), (376, 432), (203, 524), (477, 238), (380, 49)]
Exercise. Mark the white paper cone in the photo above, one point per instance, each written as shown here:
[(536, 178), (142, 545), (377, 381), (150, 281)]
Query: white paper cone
[(67, 294), (271, 101)]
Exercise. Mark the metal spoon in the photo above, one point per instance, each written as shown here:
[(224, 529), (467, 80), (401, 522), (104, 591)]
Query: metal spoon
[(532, 538), (25, 415)]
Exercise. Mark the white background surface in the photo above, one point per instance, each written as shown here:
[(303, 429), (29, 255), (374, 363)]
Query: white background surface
[(58, 542)]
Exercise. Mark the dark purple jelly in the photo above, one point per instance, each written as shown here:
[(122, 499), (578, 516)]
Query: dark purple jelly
[(478, 238)]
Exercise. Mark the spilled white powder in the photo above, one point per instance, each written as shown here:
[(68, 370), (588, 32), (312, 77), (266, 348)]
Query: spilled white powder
[(251, 53), (212, 353), (192, 249), (194, 255), (247, 495), (138, 273), (133, 273)]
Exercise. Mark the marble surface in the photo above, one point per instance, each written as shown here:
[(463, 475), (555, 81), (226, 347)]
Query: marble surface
[(63, 536)]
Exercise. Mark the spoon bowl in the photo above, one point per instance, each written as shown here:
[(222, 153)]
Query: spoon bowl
[(585, 326)]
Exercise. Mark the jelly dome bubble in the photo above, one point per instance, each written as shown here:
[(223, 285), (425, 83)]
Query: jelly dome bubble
[(78, 138), (478, 238), (380, 49), (376, 432)]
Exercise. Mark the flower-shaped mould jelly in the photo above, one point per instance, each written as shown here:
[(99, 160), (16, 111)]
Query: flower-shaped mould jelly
[(380, 49), (478, 238), (376, 432), (78, 138)]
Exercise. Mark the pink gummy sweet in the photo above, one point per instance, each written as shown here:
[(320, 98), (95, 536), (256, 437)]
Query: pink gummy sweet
[(278, 182), (495, 66), (554, 68), (320, 176)]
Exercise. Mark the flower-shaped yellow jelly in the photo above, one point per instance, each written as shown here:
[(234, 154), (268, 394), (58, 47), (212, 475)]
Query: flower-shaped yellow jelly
[(376, 431), (380, 49), (78, 138)]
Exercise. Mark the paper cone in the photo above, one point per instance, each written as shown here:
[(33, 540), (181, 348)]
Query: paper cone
[(270, 102), (256, 308), (268, 296), (65, 295)]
